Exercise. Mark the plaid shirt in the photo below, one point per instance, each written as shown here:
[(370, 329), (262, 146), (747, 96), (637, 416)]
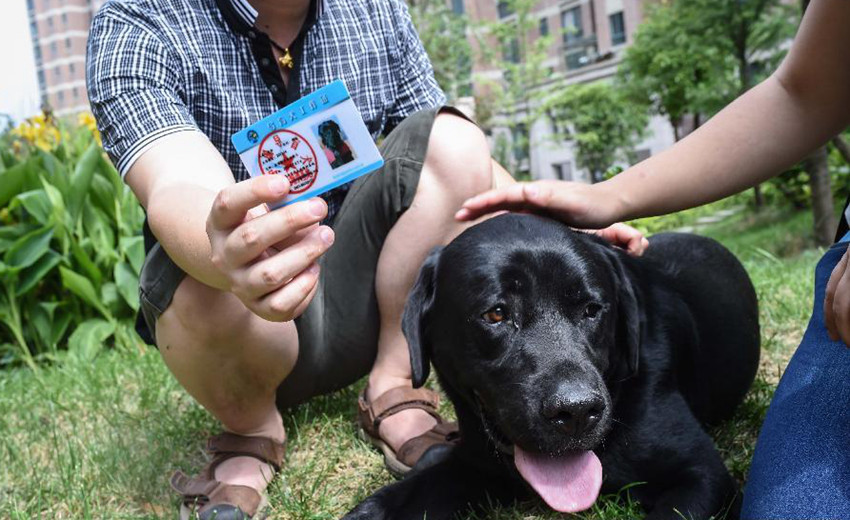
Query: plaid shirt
[(158, 67)]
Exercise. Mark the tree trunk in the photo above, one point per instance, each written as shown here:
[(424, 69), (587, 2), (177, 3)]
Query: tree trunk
[(817, 165), (675, 122)]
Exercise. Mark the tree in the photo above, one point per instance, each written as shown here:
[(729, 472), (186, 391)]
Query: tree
[(736, 43), (601, 121), (673, 70), (443, 34), (511, 43)]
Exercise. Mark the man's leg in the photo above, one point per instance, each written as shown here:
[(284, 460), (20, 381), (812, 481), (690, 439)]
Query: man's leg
[(231, 361), (457, 166)]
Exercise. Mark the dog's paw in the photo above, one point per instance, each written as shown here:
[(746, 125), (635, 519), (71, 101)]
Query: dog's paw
[(369, 509)]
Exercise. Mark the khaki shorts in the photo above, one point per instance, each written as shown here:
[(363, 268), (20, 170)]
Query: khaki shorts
[(338, 333)]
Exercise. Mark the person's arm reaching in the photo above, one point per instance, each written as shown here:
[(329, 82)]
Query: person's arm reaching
[(218, 232), (771, 127)]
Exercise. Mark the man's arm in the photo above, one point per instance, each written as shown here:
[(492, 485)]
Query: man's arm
[(176, 182), (219, 232), (768, 129)]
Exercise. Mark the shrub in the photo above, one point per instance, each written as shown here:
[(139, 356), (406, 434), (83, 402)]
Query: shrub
[(70, 245)]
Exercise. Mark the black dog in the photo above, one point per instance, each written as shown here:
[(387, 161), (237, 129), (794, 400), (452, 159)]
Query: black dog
[(567, 360)]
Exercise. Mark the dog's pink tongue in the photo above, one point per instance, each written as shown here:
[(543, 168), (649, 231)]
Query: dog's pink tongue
[(569, 483)]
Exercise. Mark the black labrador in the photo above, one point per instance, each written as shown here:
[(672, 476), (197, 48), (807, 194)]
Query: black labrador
[(576, 369)]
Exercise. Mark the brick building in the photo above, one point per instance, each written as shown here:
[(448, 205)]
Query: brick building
[(59, 31), (589, 37)]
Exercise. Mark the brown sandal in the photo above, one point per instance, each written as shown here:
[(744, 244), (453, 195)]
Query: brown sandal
[(370, 415), (206, 498)]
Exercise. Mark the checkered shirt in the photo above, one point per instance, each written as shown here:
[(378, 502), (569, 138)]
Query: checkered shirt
[(158, 67)]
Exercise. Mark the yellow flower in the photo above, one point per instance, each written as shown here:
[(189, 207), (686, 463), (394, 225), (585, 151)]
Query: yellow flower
[(39, 131), (87, 120)]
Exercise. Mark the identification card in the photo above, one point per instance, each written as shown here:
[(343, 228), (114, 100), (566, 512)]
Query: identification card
[(319, 142)]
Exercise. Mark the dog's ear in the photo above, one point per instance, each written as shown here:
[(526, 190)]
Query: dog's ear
[(629, 321), (414, 322)]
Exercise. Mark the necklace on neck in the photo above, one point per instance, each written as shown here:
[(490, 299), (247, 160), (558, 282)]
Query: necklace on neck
[(285, 61)]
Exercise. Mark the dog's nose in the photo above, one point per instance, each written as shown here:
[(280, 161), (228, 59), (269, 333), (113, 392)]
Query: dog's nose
[(574, 412)]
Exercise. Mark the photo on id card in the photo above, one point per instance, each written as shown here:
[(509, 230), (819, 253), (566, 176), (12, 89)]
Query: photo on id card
[(318, 142)]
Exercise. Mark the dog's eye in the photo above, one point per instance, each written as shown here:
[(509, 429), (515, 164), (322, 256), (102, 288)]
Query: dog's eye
[(592, 310), (495, 315)]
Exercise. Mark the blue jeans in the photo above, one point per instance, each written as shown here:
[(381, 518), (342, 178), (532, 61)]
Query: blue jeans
[(801, 465)]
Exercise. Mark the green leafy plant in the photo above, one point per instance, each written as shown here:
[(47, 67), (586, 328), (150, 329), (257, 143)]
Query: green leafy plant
[(603, 124), (70, 251)]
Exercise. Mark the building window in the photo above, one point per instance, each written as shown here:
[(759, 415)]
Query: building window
[(618, 28), (53, 49), (50, 23), (563, 171), (30, 5), (37, 51), (68, 43), (76, 93), (457, 6), (71, 69), (510, 51), (57, 73), (41, 79), (519, 140), (34, 29), (61, 96), (64, 19), (577, 46), (504, 8), (571, 24), (544, 27)]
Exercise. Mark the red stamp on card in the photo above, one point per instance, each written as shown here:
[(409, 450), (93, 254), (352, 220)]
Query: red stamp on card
[(284, 151)]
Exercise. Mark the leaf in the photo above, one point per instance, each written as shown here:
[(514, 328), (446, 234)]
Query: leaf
[(128, 284), (10, 234), (36, 203), (103, 196), (83, 288), (29, 248), (11, 181), (30, 277), (133, 249), (60, 326), (86, 262), (87, 339), (55, 171), (39, 320), (98, 228), (81, 179), (58, 320), (110, 297)]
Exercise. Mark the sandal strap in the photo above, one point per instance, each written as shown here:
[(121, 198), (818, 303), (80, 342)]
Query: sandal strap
[(203, 492), (227, 445), (192, 488), (393, 401), (442, 433)]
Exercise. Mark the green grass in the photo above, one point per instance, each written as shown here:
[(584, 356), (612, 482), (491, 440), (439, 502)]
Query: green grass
[(100, 439)]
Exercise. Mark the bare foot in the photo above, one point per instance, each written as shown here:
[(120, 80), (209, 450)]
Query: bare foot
[(400, 427)]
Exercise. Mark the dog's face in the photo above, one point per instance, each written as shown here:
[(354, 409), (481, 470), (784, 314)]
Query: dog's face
[(526, 321), (329, 132)]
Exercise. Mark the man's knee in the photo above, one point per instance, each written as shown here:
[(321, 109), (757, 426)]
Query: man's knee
[(459, 156), (207, 315)]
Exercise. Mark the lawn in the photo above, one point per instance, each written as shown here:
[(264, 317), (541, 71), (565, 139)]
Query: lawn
[(99, 439)]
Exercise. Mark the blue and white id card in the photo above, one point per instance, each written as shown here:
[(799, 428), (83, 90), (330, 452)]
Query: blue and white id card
[(319, 142)]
